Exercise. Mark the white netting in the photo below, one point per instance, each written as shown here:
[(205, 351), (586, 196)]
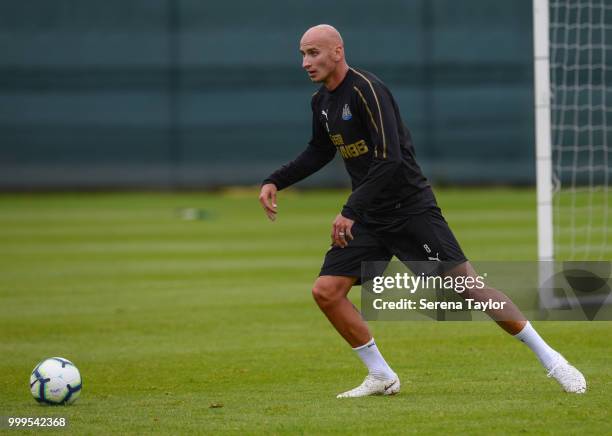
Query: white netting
[(581, 89)]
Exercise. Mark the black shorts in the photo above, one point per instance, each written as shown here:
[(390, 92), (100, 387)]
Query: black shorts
[(420, 237)]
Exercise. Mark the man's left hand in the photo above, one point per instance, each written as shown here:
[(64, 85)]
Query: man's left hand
[(341, 231)]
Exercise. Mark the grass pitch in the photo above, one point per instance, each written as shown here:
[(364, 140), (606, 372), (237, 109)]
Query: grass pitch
[(204, 326)]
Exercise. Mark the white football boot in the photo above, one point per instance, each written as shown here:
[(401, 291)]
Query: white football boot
[(373, 386), (570, 379)]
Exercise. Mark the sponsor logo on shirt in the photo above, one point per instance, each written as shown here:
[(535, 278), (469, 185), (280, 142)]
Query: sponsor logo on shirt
[(353, 150), (349, 150)]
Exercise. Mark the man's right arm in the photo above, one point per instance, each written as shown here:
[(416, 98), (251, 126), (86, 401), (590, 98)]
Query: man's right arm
[(311, 160), (320, 152), (308, 162)]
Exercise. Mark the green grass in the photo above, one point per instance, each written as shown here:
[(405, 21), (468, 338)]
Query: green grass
[(167, 317)]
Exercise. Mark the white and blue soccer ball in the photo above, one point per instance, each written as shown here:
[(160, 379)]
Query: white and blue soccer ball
[(55, 381)]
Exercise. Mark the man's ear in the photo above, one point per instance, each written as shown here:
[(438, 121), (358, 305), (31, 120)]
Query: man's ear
[(338, 53)]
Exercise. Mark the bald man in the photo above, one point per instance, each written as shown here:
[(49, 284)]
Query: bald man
[(390, 211)]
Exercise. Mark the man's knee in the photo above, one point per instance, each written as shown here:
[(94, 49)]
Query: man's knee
[(327, 290), (472, 285)]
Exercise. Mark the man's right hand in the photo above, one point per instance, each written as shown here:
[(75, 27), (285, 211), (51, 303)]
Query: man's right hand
[(267, 198)]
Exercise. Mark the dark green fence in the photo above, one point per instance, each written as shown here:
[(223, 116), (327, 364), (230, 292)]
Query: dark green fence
[(190, 93)]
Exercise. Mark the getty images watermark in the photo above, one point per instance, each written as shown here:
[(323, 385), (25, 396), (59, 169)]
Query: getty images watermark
[(432, 290), (412, 283)]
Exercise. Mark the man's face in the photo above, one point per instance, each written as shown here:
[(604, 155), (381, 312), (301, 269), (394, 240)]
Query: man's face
[(317, 59)]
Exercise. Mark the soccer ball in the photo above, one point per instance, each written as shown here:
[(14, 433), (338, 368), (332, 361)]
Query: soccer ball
[(55, 381)]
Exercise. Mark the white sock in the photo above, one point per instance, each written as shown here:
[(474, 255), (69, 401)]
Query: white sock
[(372, 358), (533, 340)]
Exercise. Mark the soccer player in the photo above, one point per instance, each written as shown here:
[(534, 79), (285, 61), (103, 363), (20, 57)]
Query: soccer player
[(391, 210)]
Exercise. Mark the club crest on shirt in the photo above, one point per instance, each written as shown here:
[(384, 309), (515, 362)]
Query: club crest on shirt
[(346, 113)]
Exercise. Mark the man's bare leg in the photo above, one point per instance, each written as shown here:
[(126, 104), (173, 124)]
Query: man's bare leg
[(512, 320), (330, 293)]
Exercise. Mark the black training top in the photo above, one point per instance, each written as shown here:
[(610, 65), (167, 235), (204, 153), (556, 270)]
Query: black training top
[(360, 118)]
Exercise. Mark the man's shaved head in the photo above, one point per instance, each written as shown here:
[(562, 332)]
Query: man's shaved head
[(323, 33), (322, 49)]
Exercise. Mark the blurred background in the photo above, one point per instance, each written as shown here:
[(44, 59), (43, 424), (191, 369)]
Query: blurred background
[(172, 94)]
